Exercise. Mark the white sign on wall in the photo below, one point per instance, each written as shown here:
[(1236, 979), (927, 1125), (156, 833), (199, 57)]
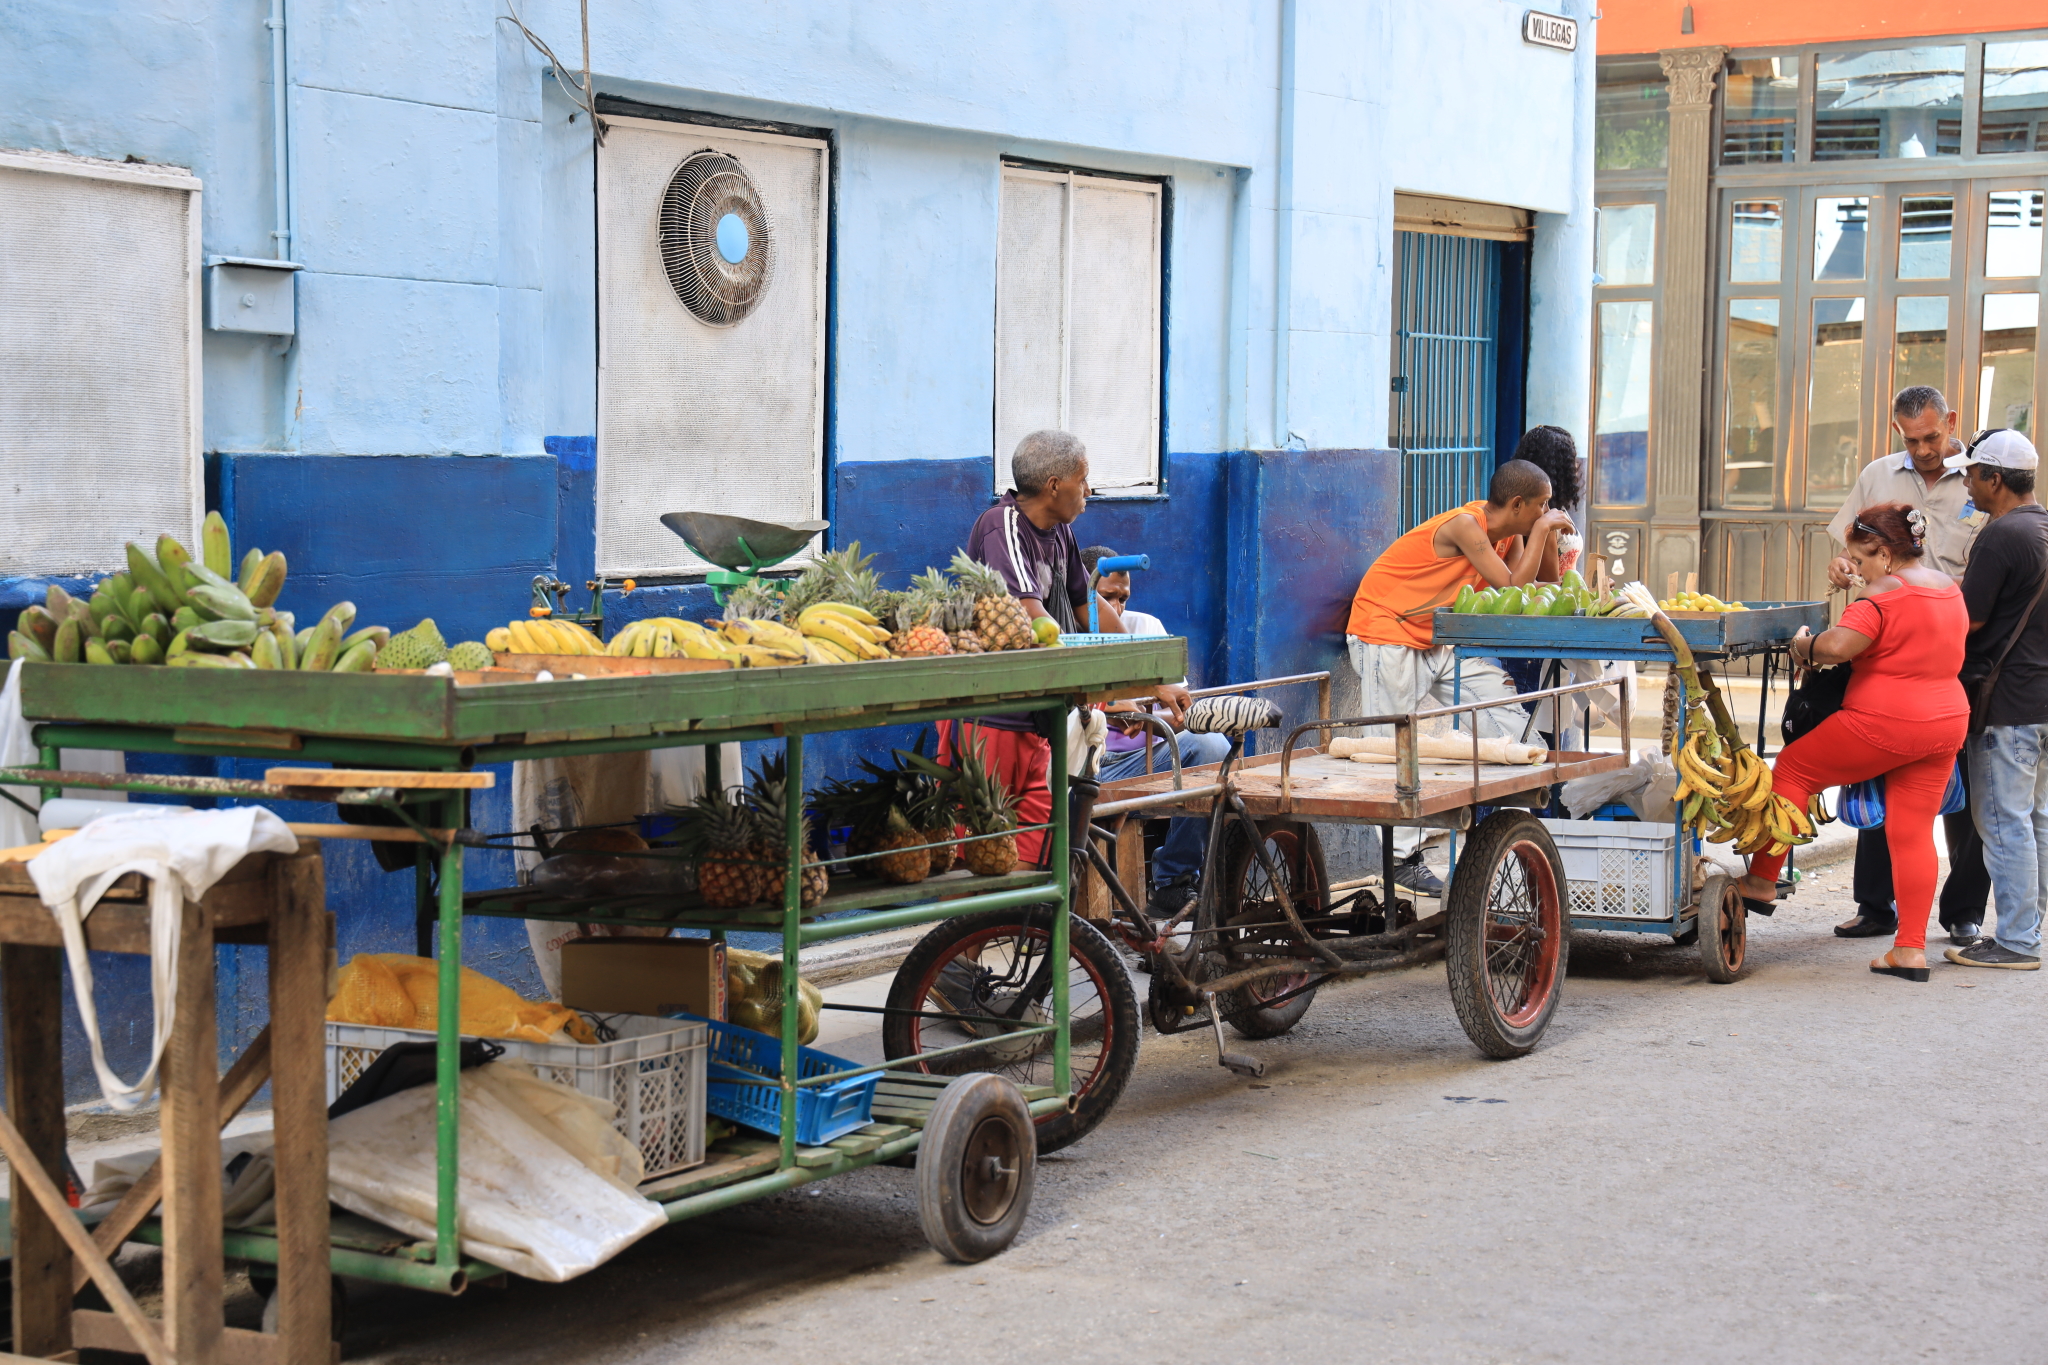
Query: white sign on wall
[(1550, 30)]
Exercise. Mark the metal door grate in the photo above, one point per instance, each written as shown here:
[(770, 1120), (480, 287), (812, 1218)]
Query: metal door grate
[(1446, 325)]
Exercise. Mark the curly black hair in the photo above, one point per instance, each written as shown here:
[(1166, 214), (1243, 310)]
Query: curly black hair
[(1552, 450)]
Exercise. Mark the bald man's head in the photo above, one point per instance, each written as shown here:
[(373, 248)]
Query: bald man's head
[(1518, 479)]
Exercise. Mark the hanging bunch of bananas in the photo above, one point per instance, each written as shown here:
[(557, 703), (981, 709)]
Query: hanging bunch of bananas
[(1726, 796), (837, 633), (1724, 789)]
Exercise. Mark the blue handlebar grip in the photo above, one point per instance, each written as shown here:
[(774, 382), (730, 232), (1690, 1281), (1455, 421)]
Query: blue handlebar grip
[(1109, 564)]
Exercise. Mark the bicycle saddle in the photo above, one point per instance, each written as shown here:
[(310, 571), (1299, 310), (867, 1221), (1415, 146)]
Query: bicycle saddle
[(1232, 716)]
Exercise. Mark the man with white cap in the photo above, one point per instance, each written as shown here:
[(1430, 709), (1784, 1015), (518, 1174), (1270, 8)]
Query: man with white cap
[(2005, 671)]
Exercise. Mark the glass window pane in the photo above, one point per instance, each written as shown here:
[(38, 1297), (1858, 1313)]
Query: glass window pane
[(1926, 223), (1621, 413), (1840, 229), (1760, 111), (1631, 116), (1834, 406), (1756, 246), (1920, 344), (1625, 244), (2005, 375), (2015, 117), (1902, 101), (2013, 234), (1750, 443)]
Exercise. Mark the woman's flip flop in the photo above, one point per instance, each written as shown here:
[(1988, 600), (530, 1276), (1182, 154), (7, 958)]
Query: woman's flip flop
[(1757, 907), (1904, 973)]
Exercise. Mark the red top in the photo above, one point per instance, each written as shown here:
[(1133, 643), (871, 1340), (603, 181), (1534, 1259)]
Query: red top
[(1907, 678)]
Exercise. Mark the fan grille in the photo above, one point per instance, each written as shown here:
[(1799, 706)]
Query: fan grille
[(705, 188)]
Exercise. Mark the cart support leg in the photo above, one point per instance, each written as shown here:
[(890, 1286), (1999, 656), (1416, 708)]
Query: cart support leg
[(1387, 877), (792, 913), (1063, 878), (448, 1043)]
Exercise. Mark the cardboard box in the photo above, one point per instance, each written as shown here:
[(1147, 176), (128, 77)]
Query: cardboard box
[(644, 976)]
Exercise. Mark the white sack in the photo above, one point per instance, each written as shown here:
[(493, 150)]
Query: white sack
[(530, 1204)]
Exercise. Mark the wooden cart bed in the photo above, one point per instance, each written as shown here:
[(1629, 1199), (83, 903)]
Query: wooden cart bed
[(1339, 790)]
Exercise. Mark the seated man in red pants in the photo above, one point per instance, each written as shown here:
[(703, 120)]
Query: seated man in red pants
[(1028, 538), (1904, 717)]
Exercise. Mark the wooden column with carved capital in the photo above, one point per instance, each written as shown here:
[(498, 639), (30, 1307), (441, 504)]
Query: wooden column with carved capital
[(1678, 424)]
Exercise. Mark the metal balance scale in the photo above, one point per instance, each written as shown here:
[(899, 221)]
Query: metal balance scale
[(743, 548)]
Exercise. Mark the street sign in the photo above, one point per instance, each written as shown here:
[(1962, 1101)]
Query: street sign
[(1550, 30)]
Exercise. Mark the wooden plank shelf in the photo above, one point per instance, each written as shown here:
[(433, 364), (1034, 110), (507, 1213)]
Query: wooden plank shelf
[(687, 912)]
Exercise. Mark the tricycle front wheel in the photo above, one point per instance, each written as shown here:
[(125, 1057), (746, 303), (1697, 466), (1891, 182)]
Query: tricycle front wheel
[(1506, 933)]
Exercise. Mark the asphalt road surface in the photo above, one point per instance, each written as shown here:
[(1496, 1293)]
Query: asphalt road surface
[(1811, 1164)]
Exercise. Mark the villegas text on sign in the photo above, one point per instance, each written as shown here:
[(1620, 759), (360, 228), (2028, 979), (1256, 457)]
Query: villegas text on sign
[(1550, 30)]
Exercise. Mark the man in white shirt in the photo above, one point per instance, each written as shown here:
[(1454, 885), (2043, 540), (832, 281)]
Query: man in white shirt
[(1177, 865), (1918, 477)]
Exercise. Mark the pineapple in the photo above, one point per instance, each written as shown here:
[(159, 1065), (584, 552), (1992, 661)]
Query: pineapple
[(958, 621), (759, 600), (767, 796), (729, 873), (987, 807), (913, 863), (915, 615), (999, 619), (837, 576)]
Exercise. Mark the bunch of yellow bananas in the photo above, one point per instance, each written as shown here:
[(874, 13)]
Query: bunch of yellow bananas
[(836, 633), (1726, 797), (541, 636)]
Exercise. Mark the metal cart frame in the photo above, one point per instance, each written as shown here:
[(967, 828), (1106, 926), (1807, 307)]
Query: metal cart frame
[(422, 723)]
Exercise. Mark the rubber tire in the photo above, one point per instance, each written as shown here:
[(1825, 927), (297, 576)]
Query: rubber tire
[(1467, 903), (944, 1203), (1724, 929), (1241, 1008), (1099, 1093)]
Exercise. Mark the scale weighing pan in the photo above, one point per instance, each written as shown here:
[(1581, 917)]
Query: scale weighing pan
[(740, 542)]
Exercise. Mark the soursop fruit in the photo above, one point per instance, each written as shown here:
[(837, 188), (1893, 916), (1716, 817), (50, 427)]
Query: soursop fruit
[(469, 656), (420, 647)]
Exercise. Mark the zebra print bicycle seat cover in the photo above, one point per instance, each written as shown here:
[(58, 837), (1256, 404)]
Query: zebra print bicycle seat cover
[(1233, 716)]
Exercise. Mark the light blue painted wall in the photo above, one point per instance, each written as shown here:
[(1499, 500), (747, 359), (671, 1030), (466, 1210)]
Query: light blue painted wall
[(443, 208)]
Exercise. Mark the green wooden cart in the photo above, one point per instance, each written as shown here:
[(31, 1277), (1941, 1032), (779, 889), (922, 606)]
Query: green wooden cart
[(972, 1199)]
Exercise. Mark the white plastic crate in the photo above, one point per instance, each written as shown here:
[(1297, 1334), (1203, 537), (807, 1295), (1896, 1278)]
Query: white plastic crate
[(1616, 869), (653, 1073)]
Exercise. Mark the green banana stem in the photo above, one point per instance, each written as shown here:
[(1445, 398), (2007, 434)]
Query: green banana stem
[(1717, 706)]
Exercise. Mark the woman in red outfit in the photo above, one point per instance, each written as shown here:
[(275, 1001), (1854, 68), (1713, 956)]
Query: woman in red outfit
[(1904, 717)]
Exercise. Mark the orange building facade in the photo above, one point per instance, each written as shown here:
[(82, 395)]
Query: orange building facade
[(1803, 209)]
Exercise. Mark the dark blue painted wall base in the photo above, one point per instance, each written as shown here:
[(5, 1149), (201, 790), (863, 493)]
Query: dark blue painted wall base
[(453, 537), (1255, 556)]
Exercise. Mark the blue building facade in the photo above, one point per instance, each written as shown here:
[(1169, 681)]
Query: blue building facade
[(1208, 204)]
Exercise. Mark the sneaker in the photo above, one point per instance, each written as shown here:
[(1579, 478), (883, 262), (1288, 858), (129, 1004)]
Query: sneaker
[(1966, 933), (1414, 875), (1987, 953), (1170, 898)]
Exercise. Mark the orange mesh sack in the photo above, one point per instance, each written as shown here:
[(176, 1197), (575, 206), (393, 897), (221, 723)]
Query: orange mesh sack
[(398, 990)]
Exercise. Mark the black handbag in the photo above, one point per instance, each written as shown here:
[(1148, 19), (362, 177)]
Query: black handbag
[(1819, 695)]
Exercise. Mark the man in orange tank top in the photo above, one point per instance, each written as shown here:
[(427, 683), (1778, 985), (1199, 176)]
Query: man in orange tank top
[(1509, 539)]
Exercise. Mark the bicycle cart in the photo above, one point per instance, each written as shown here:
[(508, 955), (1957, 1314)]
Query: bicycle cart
[(1639, 878), (1267, 928), (971, 1132)]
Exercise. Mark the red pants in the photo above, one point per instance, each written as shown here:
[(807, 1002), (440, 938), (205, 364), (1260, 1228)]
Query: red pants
[(1832, 753), (1022, 762)]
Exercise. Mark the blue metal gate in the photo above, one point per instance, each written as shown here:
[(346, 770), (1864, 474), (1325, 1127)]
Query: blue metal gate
[(1446, 326)]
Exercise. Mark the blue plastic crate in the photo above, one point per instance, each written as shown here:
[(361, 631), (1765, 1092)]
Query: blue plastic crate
[(823, 1112)]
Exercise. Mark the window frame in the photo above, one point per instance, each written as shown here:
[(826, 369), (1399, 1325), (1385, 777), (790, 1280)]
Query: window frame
[(1161, 279)]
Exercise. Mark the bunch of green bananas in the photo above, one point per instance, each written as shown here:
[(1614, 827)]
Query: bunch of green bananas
[(169, 608), (1726, 797)]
